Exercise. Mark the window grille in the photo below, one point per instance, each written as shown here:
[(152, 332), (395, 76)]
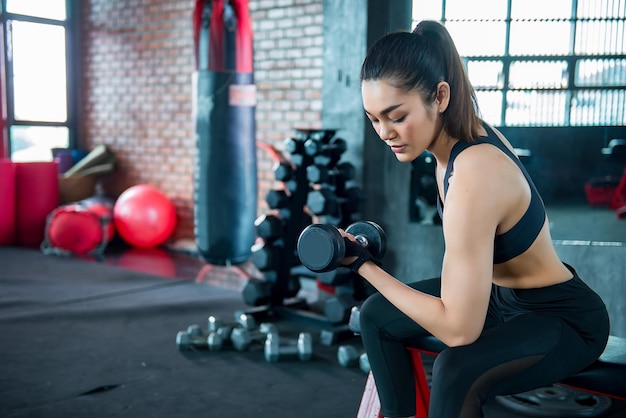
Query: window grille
[(540, 63)]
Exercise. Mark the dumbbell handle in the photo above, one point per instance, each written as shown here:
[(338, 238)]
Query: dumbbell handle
[(362, 240)]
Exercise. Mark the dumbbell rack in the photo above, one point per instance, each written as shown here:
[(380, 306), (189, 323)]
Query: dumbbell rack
[(314, 183)]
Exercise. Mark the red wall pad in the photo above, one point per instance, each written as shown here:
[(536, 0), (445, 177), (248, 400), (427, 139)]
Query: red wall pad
[(36, 196), (7, 202)]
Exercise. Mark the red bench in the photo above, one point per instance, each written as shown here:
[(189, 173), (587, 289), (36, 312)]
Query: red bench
[(605, 377)]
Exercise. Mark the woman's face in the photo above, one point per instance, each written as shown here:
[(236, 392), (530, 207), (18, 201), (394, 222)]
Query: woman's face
[(401, 119)]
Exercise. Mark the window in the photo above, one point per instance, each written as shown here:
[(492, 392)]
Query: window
[(540, 63), (37, 37)]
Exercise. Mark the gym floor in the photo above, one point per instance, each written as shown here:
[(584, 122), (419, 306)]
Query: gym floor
[(191, 268), (96, 338)]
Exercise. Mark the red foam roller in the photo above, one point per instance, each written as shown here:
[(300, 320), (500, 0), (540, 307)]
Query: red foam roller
[(7, 202), (36, 196)]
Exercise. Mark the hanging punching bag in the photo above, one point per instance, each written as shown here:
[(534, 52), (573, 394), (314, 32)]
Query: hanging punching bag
[(225, 181)]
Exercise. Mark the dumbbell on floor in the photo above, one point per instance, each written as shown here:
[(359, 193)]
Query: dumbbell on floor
[(302, 348), (242, 320), (242, 338), (350, 356), (321, 247), (192, 338)]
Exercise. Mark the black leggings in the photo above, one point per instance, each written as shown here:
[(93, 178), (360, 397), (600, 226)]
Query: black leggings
[(532, 338)]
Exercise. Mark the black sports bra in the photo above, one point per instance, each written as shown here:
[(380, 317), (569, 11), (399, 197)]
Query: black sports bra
[(519, 238)]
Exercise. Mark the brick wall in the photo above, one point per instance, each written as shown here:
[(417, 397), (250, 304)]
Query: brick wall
[(137, 61)]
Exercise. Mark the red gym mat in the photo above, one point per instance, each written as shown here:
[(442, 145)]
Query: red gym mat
[(7, 197), (36, 196)]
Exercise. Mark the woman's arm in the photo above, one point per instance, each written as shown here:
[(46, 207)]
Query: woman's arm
[(476, 201)]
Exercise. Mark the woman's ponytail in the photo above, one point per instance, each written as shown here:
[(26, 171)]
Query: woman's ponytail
[(461, 118)]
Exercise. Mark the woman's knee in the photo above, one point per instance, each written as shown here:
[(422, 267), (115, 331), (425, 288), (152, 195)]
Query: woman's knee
[(451, 362), (372, 310)]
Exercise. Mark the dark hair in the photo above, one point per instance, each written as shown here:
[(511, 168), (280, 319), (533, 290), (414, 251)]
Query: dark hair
[(419, 61)]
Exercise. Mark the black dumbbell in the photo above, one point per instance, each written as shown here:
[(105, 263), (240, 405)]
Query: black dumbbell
[(313, 147), (277, 199), (302, 348), (324, 201), (350, 356), (242, 338), (257, 292), (269, 227), (337, 308), (321, 247), (267, 255), (321, 174), (283, 171), (336, 277)]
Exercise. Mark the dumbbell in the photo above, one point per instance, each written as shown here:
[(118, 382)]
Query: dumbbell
[(324, 201), (267, 255), (269, 227), (242, 338), (354, 323), (257, 292), (337, 308), (314, 147), (283, 171), (320, 174), (321, 247), (242, 320), (302, 348), (193, 337), (349, 356), (277, 199), (293, 146)]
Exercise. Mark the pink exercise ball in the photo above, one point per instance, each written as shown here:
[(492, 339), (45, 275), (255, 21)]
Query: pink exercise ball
[(144, 216)]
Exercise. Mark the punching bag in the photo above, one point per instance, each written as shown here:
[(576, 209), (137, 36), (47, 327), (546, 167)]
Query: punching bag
[(225, 180)]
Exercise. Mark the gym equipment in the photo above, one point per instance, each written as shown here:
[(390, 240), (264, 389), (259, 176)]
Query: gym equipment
[(556, 401), (144, 216), (320, 174), (225, 192), (186, 341), (616, 149), (267, 255), (321, 247), (324, 201), (302, 348), (605, 377), (36, 196), (336, 146), (81, 228), (350, 356), (268, 227), (354, 323), (283, 171), (242, 320), (242, 338), (337, 277), (7, 196), (277, 199), (337, 308)]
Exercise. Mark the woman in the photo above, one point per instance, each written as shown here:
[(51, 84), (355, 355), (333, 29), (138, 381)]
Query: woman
[(513, 316)]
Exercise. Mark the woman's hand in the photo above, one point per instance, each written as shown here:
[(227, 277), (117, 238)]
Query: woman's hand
[(346, 261)]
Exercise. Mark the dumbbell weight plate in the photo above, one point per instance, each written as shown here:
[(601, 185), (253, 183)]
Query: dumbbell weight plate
[(320, 247), (376, 238)]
